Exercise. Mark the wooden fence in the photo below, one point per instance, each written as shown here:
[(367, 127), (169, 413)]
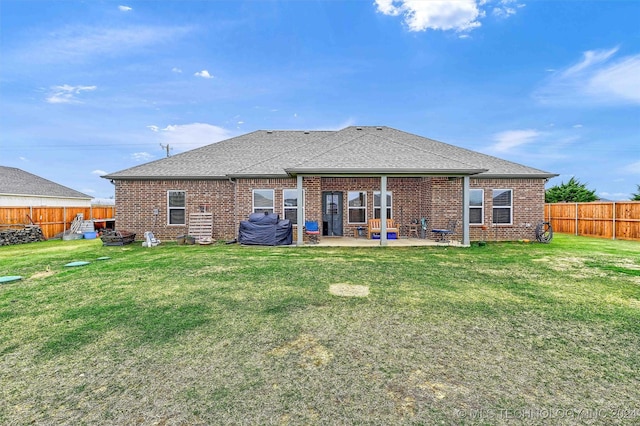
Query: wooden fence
[(52, 220), (612, 219)]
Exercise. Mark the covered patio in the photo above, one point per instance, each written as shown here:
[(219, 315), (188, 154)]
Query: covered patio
[(460, 181)]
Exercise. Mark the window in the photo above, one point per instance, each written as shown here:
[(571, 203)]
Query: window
[(502, 206), (357, 207), (176, 207), (476, 206), (376, 205), (290, 205), (263, 200)]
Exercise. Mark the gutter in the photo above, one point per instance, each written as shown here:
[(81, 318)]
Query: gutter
[(385, 172), (517, 176)]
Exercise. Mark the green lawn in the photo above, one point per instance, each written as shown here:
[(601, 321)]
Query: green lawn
[(502, 334)]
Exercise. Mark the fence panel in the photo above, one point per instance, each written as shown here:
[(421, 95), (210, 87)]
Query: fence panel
[(52, 220), (616, 220)]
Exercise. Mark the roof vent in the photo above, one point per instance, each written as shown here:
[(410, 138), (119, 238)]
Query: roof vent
[(306, 132), (358, 128), (378, 128), (269, 131)]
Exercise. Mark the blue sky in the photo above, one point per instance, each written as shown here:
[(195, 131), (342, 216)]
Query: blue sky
[(93, 87)]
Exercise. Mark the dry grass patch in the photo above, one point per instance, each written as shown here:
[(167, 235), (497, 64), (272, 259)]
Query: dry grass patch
[(307, 351), (349, 290), (43, 274)]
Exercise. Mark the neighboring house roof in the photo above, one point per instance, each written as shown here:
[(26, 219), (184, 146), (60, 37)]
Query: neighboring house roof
[(15, 181), (353, 150)]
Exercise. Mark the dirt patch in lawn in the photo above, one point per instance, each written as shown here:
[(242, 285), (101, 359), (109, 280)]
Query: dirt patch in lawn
[(42, 274), (309, 352), (349, 290)]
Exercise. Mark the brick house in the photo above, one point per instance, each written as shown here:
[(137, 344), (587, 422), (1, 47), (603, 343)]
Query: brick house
[(340, 175)]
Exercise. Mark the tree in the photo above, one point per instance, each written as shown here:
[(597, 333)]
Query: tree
[(572, 191), (636, 196)]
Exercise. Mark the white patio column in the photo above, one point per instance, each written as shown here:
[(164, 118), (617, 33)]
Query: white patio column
[(300, 210), (383, 211), (465, 210)]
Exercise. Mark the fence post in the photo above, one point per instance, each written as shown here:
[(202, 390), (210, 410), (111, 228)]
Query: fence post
[(576, 225), (613, 237)]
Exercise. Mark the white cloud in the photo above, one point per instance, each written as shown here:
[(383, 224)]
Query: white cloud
[(183, 137), (125, 8), (98, 172), (633, 168), (598, 78), (589, 58), (619, 80), (577, 126), (142, 157), (153, 128), (77, 43), (66, 94), (88, 191), (458, 15), (420, 15), (203, 74), (506, 8), (507, 140), (176, 70)]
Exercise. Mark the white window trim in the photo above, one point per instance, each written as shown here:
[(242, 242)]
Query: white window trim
[(284, 208), (510, 207), (481, 207), (169, 208), (389, 206), (349, 208), (273, 200)]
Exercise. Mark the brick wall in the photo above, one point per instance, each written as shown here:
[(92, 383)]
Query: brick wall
[(136, 201), (408, 198), (438, 199), (528, 209), (446, 203)]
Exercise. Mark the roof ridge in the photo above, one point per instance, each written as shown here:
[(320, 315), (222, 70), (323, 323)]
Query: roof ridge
[(266, 159)]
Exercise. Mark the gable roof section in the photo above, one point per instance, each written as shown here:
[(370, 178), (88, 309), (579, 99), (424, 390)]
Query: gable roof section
[(14, 181), (353, 150)]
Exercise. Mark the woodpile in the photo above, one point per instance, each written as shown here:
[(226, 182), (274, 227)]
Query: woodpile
[(29, 234)]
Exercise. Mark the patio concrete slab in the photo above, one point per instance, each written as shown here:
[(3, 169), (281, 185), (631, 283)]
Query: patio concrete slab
[(364, 242)]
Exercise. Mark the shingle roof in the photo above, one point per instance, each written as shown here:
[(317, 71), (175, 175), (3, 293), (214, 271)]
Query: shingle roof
[(357, 150), (14, 181)]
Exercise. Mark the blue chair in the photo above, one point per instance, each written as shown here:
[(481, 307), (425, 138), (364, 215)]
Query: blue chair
[(312, 229), (445, 234)]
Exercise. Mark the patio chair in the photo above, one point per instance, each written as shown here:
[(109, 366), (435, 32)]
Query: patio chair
[(312, 229), (424, 224), (443, 235)]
